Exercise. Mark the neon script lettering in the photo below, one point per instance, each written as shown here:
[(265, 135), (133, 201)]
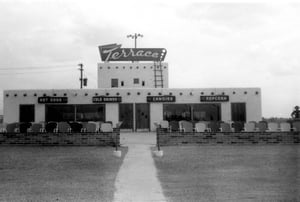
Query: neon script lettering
[(114, 52)]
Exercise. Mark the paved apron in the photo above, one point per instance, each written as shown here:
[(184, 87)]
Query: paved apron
[(137, 180)]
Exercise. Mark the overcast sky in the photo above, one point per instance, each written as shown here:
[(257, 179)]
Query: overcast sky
[(209, 45)]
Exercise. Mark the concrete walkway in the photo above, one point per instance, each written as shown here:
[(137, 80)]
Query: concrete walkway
[(137, 180)]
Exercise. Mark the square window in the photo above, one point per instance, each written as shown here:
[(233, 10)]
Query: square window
[(114, 83), (136, 81)]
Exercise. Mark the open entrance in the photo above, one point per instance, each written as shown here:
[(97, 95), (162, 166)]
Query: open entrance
[(126, 116), (135, 117), (142, 116)]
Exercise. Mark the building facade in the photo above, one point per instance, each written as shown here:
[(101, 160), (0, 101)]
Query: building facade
[(136, 93)]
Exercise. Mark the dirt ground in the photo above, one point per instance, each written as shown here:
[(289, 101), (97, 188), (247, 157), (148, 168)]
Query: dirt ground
[(36, 173), (230, 173)]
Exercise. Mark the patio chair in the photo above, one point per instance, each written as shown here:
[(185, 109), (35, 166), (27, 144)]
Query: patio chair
[(186, 126), (91, 128), (118, 125), (50, 127), (13, 127), (238, 126), (106, 127), (63, 127), (249, 127), (24, 127), (174, 126), (37, 128), (83, 129), (285, 127), (225, 127), (164, 124), (75, 127), (97, 124), (273, 127), (262, 126), (200, 127), (3, 127), (214, 126), (296, 126)]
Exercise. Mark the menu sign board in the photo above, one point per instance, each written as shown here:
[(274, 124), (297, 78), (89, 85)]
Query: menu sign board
[(114, 52), (107, 99), (214, 98), (52, 100), (164, 98)]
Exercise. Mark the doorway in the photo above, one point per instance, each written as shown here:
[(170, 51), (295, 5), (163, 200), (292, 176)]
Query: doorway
[(142, 116), (126, 116)]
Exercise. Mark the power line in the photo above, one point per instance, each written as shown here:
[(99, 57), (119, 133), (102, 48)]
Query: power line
[(36, 67), (32, 72)]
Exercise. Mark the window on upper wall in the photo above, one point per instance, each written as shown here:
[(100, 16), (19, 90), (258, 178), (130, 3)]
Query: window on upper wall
[(136, 81), (26, 113), (114, 83), (122, 83), (143, 83)]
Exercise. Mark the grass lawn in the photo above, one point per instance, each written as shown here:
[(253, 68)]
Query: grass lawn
[(230, 173), (58, 173)]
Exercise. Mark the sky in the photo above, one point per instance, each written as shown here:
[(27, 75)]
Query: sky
[(212, 44)]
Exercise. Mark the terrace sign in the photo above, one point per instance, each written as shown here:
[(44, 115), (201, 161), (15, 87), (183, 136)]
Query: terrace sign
[(114, 52)]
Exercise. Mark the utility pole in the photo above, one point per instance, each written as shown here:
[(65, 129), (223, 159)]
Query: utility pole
[(135, 36), (81, 74)]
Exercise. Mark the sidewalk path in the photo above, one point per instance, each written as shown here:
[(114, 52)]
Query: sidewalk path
[(137, 180)]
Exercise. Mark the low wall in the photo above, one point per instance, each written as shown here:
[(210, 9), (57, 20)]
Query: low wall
[(72, 139), (179, 138)]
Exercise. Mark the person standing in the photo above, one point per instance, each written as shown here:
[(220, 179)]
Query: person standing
[(296, 113)]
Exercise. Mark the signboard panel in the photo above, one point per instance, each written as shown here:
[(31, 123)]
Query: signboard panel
[(214, 98), (114, 52), (106, 99), (164, 98), (54, 100)]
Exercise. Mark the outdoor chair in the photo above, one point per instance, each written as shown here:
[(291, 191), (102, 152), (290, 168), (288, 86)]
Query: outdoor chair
[(238, 126), (91, 127), (262, 126), (186, 126), (50, 127), (12, 127), (225, 127), (164, 124), (106, 127), (63, 127), (118, 125), (24, 127), (3, 127), (200, 127), (296, 126), (97, 124), (285, 127), (83, 129), (37, 128), (75, 127), (249, 127), (214, 126), (174, 126), (273, 127)]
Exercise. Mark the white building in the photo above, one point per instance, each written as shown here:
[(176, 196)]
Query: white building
[(136, 93)]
